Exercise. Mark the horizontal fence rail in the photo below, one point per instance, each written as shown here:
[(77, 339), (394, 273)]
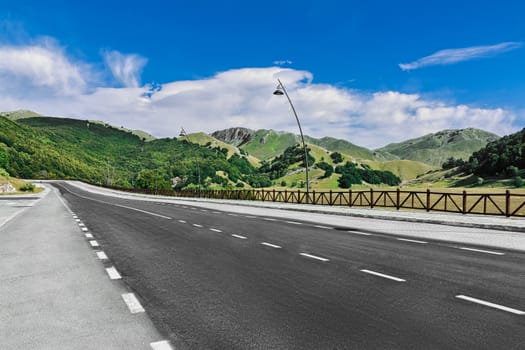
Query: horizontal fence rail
[(503, 204)]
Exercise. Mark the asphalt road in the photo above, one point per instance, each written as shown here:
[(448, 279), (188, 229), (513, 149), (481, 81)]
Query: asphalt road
[(221, 280)]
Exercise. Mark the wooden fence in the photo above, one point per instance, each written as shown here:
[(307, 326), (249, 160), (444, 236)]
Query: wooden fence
[(503, 204)]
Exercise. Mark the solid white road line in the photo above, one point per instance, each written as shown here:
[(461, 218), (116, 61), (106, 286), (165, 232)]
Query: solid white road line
[(94, 243), (294, 222), (411, 240), (384, 276), (197, 225), (161, 345), (239, 236), (489, 304), (360, 233), (271, 245), (482, 251), (182, 221), (118, 205), (102, 256), (113, 273), (314, 257), (133, 303), (325, 227), (215, 230), (88, 235)]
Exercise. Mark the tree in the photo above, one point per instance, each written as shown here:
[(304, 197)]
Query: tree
[(328, 169), (336, 157)]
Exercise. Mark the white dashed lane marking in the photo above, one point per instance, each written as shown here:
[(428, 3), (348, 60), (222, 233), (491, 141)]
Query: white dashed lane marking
[(271, 245), (113, 273), (161, 345), (482, 251), (324, 227), (269, 219), (249, 216), (88, 235), (314, 257), (360, 233), (492, 305), (182, 221), (411, 240), (102, 256), (230, 214), (294, 222), (84, 229), (215, 230), (216, 212), (397, 279), (239, 236), (94, 243), (196, 225), (133, 303)]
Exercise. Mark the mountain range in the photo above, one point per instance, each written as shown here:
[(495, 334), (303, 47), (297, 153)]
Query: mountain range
[(36, 146)]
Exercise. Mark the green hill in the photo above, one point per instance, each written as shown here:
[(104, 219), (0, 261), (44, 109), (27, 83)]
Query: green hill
[(19, 114), (61, 148), (435, 149), (341, 146), (504, 157), (266, 144)]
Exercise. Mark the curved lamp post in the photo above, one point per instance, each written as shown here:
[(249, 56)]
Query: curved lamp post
[(183, 133), (279, 91)]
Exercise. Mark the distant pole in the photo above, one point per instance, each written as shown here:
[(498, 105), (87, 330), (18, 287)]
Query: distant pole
[(183, 133), (280, 91)]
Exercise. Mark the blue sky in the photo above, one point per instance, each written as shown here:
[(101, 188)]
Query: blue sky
[(371, 72)]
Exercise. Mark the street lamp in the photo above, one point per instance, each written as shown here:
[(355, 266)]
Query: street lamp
[(183, 133), (279, 91)]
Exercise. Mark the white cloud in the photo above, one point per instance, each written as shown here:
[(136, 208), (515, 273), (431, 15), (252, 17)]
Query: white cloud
[(451, 56), (282, 62), (44, 66), (126, 69), (238, 97)]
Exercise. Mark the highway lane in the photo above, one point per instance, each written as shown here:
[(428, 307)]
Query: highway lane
[(208, 281)]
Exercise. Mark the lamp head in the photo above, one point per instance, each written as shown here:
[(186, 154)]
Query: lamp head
[(279, 90)]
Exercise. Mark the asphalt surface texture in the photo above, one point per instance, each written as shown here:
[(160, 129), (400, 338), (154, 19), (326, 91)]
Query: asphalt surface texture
[(216, 279)]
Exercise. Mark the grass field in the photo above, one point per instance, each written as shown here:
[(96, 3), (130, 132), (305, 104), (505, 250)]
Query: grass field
[(17, 183)]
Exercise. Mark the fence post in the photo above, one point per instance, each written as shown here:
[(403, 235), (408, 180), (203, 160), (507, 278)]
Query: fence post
[(428, 199), (371, 198), (298, 196), (313, 195), (285, 196), (262, 194), (273, 195), (349, 198), (398, 199), (507, 203), (331, 201), (464, 202)]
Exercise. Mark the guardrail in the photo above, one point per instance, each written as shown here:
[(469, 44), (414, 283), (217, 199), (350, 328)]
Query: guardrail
[(503, 204)]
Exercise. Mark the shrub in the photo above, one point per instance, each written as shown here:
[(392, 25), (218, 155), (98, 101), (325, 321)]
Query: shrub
[(518, 181), (283, 183), (3, 172), (27, 187)]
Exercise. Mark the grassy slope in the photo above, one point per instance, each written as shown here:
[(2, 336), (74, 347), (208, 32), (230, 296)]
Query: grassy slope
[(341, 146), (266, 144), (434, 149), (203, 138)]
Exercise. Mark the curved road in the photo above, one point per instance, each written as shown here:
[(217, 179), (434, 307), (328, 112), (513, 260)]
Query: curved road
[(223, 280)]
